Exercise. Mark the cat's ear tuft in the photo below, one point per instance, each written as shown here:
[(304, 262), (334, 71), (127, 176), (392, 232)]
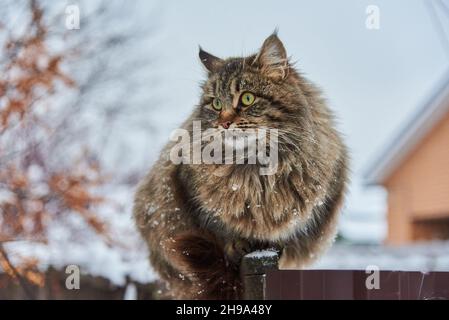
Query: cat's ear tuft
[(210, 62), (272, 58)]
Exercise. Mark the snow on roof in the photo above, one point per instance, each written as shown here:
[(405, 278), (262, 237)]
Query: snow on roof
[(436, 106)]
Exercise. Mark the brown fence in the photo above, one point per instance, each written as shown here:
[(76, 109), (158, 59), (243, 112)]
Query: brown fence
[(54, 288), (262, 280)]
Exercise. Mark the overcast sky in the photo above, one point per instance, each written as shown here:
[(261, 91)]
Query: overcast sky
[(373, 79)]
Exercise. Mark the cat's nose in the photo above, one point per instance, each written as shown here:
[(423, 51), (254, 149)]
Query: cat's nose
[(226, 119), (226, 124)]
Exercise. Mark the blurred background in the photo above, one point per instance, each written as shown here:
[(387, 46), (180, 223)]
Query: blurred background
[(90, 91)]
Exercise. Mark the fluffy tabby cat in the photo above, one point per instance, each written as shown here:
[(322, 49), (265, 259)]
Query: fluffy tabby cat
[(196, 222)]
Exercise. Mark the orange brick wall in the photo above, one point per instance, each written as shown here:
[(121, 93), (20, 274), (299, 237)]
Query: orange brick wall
[(419, 189)]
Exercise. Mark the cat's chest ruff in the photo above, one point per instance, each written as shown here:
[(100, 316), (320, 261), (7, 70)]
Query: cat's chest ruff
[(254, 206)]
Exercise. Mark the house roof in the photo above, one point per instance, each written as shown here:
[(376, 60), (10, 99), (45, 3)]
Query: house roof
[(420, 124)]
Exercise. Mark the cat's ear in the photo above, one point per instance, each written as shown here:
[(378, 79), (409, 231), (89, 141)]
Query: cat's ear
[(272, 58), (211, 62)]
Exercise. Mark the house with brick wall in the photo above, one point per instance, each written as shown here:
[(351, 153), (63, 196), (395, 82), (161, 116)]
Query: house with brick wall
[(414, 169)]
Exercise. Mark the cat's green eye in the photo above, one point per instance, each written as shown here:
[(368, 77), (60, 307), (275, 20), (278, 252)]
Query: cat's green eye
[(216, 104), (247, 98)]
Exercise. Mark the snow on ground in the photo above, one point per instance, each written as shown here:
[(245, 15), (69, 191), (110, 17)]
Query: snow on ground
[(126, 256), (426, 256)]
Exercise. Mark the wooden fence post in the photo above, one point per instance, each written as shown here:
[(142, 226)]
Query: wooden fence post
[(253, 271)]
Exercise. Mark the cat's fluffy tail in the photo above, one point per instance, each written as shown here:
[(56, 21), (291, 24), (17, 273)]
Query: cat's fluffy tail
[(201, 259)]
